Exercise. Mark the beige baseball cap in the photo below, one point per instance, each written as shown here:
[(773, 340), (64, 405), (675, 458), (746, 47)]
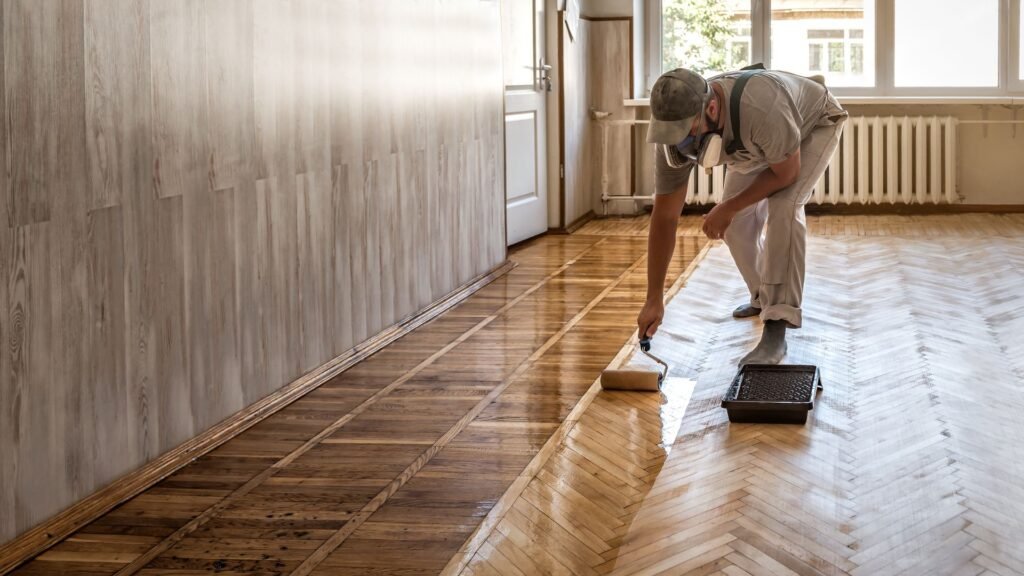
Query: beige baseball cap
[(677, 100)]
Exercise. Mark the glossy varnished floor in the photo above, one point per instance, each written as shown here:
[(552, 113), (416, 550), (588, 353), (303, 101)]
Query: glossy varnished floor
[(910, 463), (388, 468)]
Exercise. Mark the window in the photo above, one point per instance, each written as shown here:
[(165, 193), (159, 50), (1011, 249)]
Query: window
[(814, 51), (1020, 43), (821, 42), (857, 59), (947, 43), (738, 46), (825, 37), (740, 52), (836, 57), (863, 47), (707, 36)]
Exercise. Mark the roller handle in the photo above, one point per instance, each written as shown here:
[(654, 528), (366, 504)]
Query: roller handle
[(645, 343), (645, 347)]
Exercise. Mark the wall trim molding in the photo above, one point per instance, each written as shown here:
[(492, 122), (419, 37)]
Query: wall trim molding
[(890, 209), (576, 225), (49, 533), (607, 18), (915, 209), (580, 222)]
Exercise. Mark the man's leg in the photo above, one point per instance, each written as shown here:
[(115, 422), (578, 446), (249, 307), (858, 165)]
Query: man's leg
[(782, 262), (745, 241)]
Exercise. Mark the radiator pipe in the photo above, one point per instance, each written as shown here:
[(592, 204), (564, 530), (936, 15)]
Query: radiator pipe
[(602, 119)]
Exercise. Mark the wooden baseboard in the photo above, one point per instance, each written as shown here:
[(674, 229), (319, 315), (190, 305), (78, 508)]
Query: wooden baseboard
[(914, 209), (576, 225), (580, 222), (42, 537), (890, 209)]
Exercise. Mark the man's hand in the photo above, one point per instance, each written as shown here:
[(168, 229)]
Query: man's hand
[(718, 220), (650, 318)]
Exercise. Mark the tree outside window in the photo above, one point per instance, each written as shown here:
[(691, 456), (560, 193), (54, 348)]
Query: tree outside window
[(705, 35), (740, 54)]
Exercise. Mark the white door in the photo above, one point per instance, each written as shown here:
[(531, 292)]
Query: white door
[(526, 85)]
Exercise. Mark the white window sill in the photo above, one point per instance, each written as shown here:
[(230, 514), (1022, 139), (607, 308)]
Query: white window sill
[(890, 100)]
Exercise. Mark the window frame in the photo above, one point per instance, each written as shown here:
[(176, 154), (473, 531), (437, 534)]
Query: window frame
[(1009, 81), (1012, 71)]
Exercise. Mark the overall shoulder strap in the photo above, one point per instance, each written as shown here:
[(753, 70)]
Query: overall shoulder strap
[(736, 144)]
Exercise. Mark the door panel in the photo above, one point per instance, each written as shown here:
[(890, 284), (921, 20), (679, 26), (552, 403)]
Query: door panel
[(526, 84), (518, 26), (521, 134)]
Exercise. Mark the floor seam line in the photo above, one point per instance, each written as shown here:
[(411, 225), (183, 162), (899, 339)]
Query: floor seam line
[(458, 563), (321, 553), (170, 541)]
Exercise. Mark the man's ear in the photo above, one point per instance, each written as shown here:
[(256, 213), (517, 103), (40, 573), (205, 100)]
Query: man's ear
[(713, 110)]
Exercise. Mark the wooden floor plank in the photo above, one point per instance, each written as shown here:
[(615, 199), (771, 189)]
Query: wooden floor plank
[(305, 473), (397, 461)]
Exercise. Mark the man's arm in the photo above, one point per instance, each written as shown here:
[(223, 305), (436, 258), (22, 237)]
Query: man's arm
[(768, 182), (661, 240), (661, 244)]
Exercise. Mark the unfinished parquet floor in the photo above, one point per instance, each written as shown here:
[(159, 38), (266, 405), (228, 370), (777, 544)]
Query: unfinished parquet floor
[(910, 463)]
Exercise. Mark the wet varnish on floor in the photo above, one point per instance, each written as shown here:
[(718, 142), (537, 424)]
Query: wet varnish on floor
[(909, 464), (389, 467)]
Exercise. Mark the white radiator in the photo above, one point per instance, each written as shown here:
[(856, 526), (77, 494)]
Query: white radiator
[(880, 160)]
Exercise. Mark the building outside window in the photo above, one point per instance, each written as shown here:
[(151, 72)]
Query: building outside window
[(830, 37), (834, 38), (843, 50)]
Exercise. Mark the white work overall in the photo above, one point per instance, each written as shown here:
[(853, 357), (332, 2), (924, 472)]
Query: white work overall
[(772, 263)]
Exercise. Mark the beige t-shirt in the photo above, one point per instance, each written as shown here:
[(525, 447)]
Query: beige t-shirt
[(778, 110)]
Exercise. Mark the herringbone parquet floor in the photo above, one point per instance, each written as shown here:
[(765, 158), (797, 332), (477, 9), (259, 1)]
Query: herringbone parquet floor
[(910, 464)]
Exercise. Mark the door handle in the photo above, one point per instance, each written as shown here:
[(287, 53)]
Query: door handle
[(545, 77)]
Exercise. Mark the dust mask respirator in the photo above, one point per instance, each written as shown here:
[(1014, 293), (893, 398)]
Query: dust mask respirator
[(704, 150)]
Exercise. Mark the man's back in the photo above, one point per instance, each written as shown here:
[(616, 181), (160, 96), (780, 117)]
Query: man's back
[(778, 110)]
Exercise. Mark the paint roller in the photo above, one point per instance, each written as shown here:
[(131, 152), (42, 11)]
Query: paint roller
[(636, 380)]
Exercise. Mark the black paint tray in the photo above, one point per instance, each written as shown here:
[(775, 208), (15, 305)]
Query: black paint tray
[(770, 393)]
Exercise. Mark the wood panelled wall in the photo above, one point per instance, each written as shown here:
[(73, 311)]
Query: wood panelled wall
[(576, 124), (596, 65), (610, 73), (204, 200)]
